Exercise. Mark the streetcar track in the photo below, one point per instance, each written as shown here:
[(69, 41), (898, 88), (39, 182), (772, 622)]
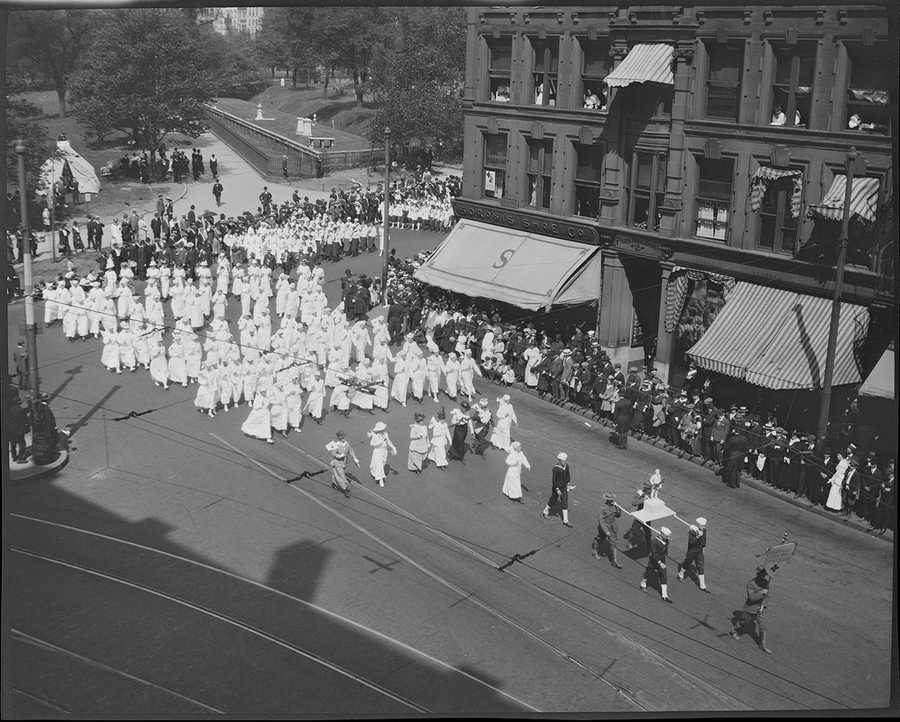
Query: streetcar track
[(255, 631), (44, 644), (282, 594), (40, 700)]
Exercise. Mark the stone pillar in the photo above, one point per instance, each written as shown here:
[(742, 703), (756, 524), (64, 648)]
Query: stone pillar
[(665, 341), (616, 310)]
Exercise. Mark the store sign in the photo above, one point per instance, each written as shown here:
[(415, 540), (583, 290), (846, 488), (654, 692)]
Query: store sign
[(523, 221)]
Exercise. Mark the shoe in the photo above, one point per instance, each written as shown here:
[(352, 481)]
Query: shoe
[(705, 589), (668, 600), (644, 590), (766, 649), (545, 515), (617, 566), (565, 523), (595, 555), (734, 635), (269, 441)]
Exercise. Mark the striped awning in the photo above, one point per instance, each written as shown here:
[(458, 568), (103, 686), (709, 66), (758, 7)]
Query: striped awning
[(677, 290), (759, 183), (778, 339), (645, 63), (863, 199)]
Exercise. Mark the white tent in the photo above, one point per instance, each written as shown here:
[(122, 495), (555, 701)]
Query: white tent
[(82, 171), (880, 382)]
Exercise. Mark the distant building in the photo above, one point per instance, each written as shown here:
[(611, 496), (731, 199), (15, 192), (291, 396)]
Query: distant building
[(239, 19)]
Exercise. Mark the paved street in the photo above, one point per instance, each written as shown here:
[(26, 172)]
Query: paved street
[(176, 566)]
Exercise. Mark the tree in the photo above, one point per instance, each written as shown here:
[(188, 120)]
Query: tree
[(148, 74), (285, 39), (22, 123), (237, 73), (53, 42)]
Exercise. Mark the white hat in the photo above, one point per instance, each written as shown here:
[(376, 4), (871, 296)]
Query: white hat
[(562, 456), (505, 397), (665, 531), (694, 529), (701, 521), (380, 426), (109, 263), (516, 445)]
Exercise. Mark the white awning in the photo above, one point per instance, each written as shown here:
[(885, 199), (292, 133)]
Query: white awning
[(645, 63), (524, 269)]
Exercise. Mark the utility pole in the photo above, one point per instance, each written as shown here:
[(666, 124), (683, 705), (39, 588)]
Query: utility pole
[(854, 166), (385, 214), (30, 328)]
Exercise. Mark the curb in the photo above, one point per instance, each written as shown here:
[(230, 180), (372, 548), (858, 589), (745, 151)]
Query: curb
[(746, 480), (32, 471)]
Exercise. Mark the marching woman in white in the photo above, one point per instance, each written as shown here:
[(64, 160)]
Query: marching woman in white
[(381, 381), (292, 304), (123, 299), (193, 307), (226, 390), (110, 279), (512, 482), (418, 443), (126, 348), (836, 482), (451, 375), (278, 410), (281, 293), (315, 402), (141, 347), (248, 381), (165, 280), (264, 329), (108, 314), (381, 443), (68, 311), (440, 439), (363, 398), (417, 375), (193, 356), (153, 308), (179, 294), (435, 367), (177, 368), (207, 395), (467, 370), (401, 380), (50, 305), (506, 417), (110, 356), (293, 400), (340, 395), (159, 367), (259, 420), (96, 301), (219, 302)]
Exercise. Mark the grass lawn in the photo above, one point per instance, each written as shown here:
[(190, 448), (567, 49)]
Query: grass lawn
[(341, 107)]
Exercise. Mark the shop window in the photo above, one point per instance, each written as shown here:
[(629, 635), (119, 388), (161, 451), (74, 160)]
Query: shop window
[(723, 82), (792, 90), (494, 165), (540, 162), (778, 227), (714, 198), (596, 65), (499, 66), (871, 76), (588, 179), (545, 70), (646, 190)]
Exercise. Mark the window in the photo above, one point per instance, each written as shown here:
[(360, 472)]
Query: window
[(494, 165), (499, 65), (646, 190), (778, 226), (723, 83), (594, 69), (545, 69), (588, 179), (792, 89), (714, 198), (871, 75), (540, 161)]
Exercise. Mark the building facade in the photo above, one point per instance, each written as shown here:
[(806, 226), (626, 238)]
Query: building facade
[(708, 140), (238, 19)]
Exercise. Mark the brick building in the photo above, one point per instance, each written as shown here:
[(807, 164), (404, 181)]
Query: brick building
[(690, 146)]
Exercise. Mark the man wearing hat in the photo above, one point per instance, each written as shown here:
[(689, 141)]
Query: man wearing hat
[(694, 555), (656, 562), (481, 425), (560, 491), (751, 615), (21, 362), (607, 531), (622, 415), (340, 449)]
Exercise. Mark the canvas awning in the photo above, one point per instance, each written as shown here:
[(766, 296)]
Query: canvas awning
[(778, 339), (759, 183), (880, 382), (524, 269), (645, 63), (863, 199), (65, 156)]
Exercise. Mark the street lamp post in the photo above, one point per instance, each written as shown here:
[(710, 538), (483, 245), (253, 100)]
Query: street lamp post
[(30, 328), (854, 165), (385, 214)]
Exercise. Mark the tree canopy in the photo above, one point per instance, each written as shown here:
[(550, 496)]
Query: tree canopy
[(22, 123), (148, 74)]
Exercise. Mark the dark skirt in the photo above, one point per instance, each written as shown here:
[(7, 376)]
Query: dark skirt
[(458, 445)]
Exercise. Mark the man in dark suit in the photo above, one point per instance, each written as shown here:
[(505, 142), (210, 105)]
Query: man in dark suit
[(20, 361), (734, 452), (623, 413), (396, 313)]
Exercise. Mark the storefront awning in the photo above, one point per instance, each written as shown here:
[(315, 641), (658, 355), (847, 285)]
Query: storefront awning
[(759, 183), (863, 199), (524, 269), (778, 339), (880, 383), (645, 63)]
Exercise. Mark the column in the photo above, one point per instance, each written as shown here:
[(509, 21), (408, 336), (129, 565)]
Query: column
[(665, 342), (616, 310)]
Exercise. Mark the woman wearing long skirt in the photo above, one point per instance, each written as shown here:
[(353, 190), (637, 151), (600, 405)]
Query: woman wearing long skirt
[(381, 443), (506, 417), (207, 396), (50, 305), (381, 381), (177, 369), (194, 308), (836, 484), (315, 402), (249, 381), (159, 367), (294, 403), (226, 390), (467, 371), (440, 439), (417, 375), (462, 425), (126, 349), (401, 380), (179, 300), (141, 348), (193, 358), (110, 356), (532, 356), (363, 398), (512, 482), (435, 367), (451, 375), (259, 420), (278, 410), (418, 443)]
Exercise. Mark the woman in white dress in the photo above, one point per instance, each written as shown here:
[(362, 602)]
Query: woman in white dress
[(532, 355), (836, 482), (293, 400), (95, 303), (451, 375), (362, 397), (165, 279), (506, 417), (123, 299), (259, 420), (207, 394), (249, 378), (282, 289), (434, 365), (159, 367), (193, 357), (417, 375), (179, 299), (381, 444), (467, 370), (512, 482), (440, 439), (193, 306), (219, 303), (278, 409), (141, 347), (340, 395), (110, 356), (177, 368), (126, 349), (315, 402), (401, 380), (418, 444), (50, 305), (381, 381), (68, 312), (226, 390)]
